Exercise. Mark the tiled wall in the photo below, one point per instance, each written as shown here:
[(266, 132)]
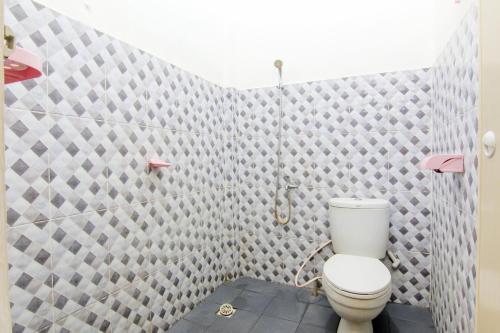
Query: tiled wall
[(96, 241), (455, 86), (358, 136)]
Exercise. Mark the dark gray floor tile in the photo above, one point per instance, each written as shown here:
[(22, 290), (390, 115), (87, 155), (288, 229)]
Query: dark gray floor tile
[(184, 326), (382, 323), (284, 309), (322, 316), (288, 292), (408, 312), (252, 301), (263, 287), (405, 326), (303, 328), (223, 294), (240, 283), (274, 325), (203, 314), (242, 322), (306, 296)]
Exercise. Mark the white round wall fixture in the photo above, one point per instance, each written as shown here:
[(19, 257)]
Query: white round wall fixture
[(489, 144)]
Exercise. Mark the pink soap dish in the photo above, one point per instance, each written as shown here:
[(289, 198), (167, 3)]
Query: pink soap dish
[(21, 65), (444, 163), (156, 164)]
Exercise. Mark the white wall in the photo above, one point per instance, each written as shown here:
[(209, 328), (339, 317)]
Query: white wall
[(188, 33), (321, 39), (234, 42), (447, 17)]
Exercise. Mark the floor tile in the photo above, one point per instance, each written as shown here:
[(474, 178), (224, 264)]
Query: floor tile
[(240, 283), (405, 326), (321, 316), (263, 287), (204, 314), (274, 325), (184, 326), (382, 324), (304, 328), (242, 322), (306, 296), (284, 309), (409, 313), (289, 293), (251, 301), (223, 294)]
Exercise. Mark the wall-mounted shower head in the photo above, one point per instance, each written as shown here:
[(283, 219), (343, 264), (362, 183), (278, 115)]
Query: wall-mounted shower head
[(279, 65)]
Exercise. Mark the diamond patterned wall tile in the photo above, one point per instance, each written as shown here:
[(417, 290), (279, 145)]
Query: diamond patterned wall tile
[(411, 279), (30, 22), (298, 155), (337, 142), (369, 160), (127, 172), (257, 210), (30, 277), (368, 115), (294, 252), (27, 166), (302, 220), (259, 258), (410, 221), (406, 151), (129, 246), (298, 110), (78, 165), (455, 80), (331, 164), (76, 69), (126, 83), (129, 308), (92, 318), (80, 270), (164, 230)]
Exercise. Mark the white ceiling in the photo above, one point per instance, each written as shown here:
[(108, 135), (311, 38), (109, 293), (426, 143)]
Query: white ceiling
[(234, 42)]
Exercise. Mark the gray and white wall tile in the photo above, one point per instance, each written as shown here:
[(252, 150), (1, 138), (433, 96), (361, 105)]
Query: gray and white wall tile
[(27, 166), (91, 229), (357, 136), (455, 85)]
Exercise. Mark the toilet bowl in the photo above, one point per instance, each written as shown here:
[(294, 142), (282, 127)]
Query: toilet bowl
[(358, 289)]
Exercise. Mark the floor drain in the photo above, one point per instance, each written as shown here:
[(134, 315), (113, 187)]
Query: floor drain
[(226, 310)]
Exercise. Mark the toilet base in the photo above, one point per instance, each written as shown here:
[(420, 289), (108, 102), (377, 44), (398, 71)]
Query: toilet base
[(346, 326)]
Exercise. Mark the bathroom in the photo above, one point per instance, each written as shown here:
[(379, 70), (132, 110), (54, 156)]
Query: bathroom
[(264, 166)]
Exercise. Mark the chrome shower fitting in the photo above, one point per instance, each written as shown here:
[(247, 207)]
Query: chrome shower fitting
[(288, 187)]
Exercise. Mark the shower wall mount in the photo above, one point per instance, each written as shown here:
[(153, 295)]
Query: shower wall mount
[(19, 64)]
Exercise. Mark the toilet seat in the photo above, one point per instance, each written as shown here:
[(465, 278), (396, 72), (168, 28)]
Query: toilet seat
[(357, 275)]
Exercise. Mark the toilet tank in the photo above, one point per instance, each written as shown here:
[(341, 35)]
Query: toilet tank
[(359, 226)]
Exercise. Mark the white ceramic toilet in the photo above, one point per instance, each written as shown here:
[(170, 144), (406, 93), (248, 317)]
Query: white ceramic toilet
[(356, 282)]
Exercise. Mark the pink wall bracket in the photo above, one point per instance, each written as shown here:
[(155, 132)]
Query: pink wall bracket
[(156, 164), (21, 65), (444, 163)]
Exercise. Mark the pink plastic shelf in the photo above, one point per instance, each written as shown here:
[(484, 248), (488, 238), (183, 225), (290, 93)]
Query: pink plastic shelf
[(21, 65), (155, 164), (444, 163)]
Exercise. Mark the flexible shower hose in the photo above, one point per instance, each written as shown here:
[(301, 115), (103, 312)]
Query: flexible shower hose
[(297, 284), (277, 213)]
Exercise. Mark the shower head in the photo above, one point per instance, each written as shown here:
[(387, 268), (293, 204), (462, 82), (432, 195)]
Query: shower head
[(278, 64)]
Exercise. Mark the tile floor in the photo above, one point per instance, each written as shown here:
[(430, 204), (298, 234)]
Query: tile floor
[(265, 307)]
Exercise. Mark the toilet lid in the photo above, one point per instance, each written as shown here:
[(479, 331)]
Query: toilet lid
[(357, 275)]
